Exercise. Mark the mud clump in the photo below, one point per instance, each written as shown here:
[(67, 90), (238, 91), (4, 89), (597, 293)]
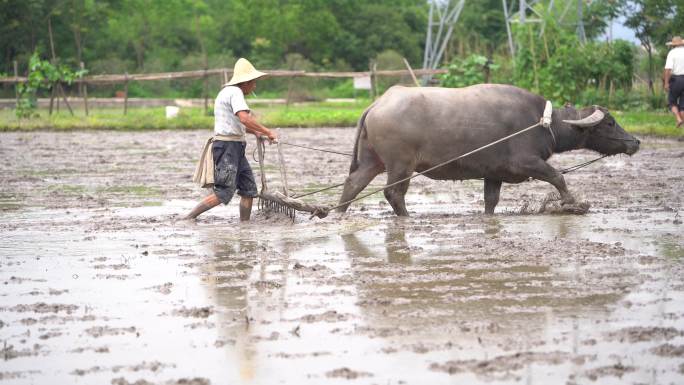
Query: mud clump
[(668, 350), (163, 289), (641, 334), (328, 316), (16, 375), (182, 381), (8, 352), (501, 367), (317, 269), (43, 307), (267, 285), (100, 331), (195, 312), (617, 370), (347, 373)]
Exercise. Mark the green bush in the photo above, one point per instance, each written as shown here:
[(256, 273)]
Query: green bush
[(556, 65), (468, 71)]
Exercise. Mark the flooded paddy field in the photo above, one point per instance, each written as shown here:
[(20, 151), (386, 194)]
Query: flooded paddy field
[(103, 283)]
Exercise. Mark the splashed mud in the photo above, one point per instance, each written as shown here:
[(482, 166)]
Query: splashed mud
[(102, 283)]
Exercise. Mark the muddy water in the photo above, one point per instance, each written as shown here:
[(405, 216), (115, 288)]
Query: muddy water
[(101, 283)]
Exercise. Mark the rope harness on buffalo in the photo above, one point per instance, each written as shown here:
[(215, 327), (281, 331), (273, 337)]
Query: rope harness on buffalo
[(290, 204)]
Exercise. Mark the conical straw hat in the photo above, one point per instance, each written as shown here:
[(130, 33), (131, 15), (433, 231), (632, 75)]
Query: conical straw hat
[(244, 71), (676, 41)]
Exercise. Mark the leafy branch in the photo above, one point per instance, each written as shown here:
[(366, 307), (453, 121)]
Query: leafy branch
[(42, 75)]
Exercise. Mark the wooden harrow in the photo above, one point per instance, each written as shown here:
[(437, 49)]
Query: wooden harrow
[(282, 202)]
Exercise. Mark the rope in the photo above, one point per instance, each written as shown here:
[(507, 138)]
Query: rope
[(581, 165), (315, 149), (434, 167), (307, 147), (317, 191)]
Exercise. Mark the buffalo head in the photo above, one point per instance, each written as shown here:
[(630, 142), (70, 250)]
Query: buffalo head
[(600, 132)]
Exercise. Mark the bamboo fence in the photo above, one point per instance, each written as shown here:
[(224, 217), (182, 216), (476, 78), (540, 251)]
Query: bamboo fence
[(225, 74), (196, 74)]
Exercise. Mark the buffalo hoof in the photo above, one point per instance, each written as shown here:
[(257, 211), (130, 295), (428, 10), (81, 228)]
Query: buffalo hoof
[(578, 208)]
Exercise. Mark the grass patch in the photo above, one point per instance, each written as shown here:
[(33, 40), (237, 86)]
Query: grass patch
[(648, 123), (107, 119), (138, 119), (138, 191), (67, 189), (324, 114), (311, 116)]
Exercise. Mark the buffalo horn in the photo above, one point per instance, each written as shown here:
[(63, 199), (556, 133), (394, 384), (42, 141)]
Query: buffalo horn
[(591, 120)]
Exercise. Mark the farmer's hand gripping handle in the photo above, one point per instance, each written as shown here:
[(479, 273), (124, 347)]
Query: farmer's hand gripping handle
[(270, 141)]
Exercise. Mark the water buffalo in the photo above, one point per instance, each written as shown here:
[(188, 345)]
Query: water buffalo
[(413, 129)]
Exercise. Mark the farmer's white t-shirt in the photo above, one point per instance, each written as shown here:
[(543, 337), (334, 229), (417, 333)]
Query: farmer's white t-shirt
[(675, 61), (229, 102)]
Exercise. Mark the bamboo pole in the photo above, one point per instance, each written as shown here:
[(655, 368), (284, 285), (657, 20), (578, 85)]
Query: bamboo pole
[(85, 91), (206, 92), (52, 50), (52, 99), (126, 95), (283, 170), (375, 82), (57, 88), (58, 95), (16, 86), (534, 60), (61, 90), (415, 80)]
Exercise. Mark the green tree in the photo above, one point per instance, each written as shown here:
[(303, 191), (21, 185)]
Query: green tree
[(651, 21)]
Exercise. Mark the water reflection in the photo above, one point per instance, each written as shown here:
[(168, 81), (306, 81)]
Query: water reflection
[(396, 246), (300, 307)]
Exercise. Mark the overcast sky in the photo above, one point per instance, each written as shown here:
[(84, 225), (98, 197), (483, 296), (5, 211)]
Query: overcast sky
[(622, 32)]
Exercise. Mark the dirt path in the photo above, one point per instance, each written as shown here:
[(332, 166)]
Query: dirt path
[(102, 284)]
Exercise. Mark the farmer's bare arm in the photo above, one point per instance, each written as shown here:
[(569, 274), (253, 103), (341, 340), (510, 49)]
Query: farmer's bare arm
[(666, 78), (255, 127)]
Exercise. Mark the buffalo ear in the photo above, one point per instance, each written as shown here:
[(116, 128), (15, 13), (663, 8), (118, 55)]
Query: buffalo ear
[(595, 118)]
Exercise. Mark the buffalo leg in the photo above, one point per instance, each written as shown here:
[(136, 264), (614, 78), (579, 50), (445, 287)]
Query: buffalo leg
[(357, 181), (539, 169), (395, 194), (492, 188)]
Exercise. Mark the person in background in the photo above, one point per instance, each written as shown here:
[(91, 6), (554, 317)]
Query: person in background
[(673, 78), (223, 165)]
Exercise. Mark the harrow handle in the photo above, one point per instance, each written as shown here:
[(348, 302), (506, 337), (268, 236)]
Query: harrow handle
[(260, 149)]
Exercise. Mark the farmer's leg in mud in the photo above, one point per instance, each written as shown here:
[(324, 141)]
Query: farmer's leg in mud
[(537, 168), (247, 188), (226, 165), (678, 115), (245, 208), (209, 202), (492, 188), (675, 98), (395, 194)]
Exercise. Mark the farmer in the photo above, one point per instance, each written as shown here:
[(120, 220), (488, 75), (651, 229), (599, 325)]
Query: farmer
[(223, 165), (673, 77)]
